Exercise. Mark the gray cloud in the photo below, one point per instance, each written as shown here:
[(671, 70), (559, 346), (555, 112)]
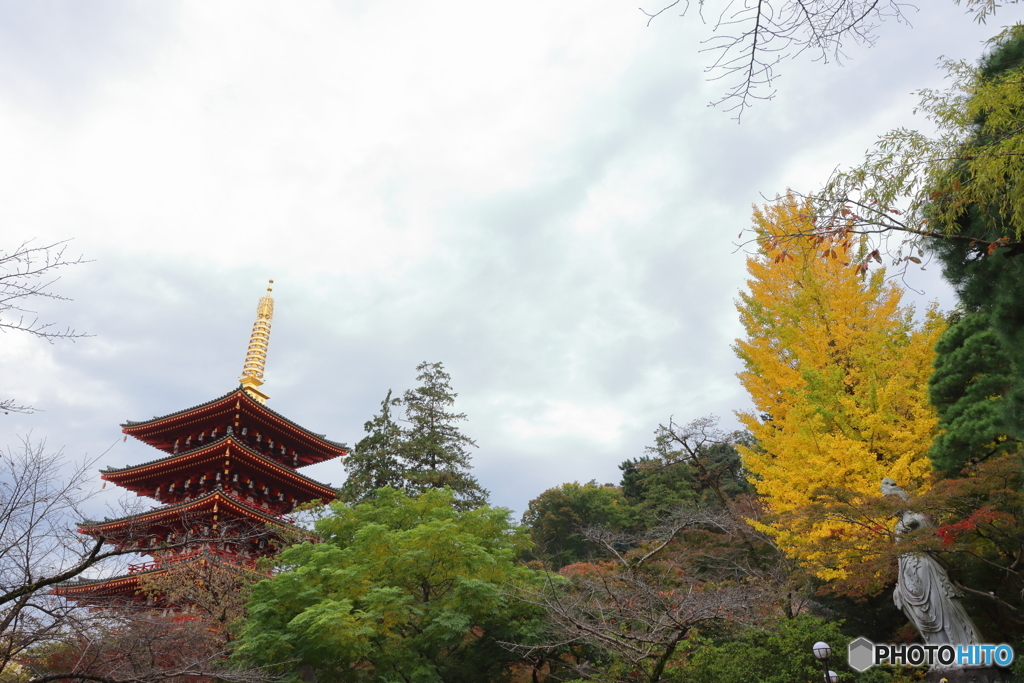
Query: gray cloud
[(575, 273)]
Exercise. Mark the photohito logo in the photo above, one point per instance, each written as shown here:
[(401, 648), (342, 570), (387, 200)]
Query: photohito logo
[(862, 654)]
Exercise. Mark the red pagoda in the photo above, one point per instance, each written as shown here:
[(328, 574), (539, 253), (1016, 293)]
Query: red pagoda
[(227, 480)]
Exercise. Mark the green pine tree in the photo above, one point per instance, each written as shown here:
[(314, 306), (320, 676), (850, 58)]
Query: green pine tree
[(978, 387), (374, 462), (434, 452), (968, 388)]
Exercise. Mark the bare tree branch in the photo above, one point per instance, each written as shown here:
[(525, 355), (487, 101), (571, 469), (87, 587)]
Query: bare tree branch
[(42, 501), (641, 603), (10, 405), (27, 273), (750, 38), (133, 645)]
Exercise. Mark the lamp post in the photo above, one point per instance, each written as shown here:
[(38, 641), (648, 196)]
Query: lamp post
[(822, 652)]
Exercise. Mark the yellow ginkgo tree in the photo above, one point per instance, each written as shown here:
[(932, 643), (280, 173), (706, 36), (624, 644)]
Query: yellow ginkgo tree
[(837, 370)]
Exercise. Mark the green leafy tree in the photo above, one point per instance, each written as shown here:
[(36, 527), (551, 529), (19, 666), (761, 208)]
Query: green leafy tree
[(434, 452), (374, 462), (559, 517), (652, 485), (399, 589)]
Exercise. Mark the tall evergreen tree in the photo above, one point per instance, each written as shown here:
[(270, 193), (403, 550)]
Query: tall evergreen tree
[(374, 462), (978, 385), (427, 452), (434, 452), (972, 378)]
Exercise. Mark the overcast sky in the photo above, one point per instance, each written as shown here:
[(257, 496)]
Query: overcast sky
[(535, 194)]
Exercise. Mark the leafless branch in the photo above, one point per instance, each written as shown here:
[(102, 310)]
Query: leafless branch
[(750, 38), (692, 443), (43, 498), (646, 599), (134, 645), (27, 273), (10, 405), (836, 218)]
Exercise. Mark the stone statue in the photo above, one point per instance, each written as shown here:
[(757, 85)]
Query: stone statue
[(924, 591)]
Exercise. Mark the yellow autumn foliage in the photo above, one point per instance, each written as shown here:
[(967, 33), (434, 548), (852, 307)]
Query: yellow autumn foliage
[(838, 372)]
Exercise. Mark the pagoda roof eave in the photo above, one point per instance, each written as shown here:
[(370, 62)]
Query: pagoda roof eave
[(113, 474), (124, 583), (127, 424), (132, 426), (92, 527)]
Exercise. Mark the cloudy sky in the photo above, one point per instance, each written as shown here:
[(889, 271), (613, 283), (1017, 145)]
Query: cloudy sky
[(538, 196)]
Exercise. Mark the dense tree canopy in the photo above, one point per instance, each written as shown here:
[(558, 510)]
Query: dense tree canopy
[(651, 486), (559, 518), (706, 452), (777, 652), (633, 608), (688, 466), (399, 589), (978, 384), (973, 375)]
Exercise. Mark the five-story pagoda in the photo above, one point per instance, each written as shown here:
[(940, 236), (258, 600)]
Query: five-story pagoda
[(226, 482)]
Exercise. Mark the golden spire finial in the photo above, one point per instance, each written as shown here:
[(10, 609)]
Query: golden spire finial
[(256, 355)]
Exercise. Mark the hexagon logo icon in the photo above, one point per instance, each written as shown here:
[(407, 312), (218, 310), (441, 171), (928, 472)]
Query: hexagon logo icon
[(859, 654)]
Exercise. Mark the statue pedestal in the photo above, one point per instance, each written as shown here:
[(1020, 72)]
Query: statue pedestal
[(974, 674)]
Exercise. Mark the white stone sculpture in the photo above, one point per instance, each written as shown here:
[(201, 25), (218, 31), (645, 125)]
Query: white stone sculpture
[(924, 591)]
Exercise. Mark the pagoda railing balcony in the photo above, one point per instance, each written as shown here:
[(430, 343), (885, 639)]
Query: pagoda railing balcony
[(143, 567)]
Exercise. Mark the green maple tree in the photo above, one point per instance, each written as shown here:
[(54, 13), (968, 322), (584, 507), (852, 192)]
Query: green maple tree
[(399, 589)]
